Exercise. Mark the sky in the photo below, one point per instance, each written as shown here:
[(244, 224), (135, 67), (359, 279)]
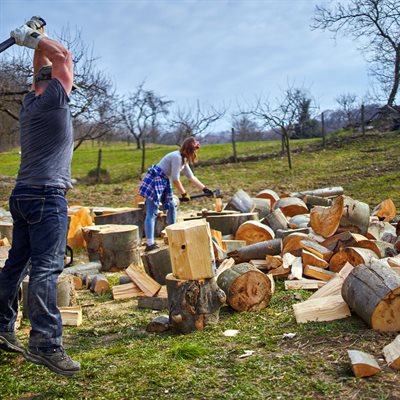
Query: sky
[(219, 53)]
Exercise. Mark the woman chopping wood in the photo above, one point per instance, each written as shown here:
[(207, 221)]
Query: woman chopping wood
[(156, 186)]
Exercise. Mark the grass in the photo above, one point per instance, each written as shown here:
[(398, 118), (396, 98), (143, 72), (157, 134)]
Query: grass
[(120, 360)]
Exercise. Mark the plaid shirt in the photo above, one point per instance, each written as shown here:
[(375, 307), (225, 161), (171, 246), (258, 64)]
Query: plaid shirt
[(156, 187)]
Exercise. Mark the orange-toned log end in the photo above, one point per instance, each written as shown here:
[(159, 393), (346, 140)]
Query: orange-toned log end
[(325, 220), (385, 211), (386, 316)]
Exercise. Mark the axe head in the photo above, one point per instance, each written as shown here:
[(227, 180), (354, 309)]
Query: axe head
[(217, 193)]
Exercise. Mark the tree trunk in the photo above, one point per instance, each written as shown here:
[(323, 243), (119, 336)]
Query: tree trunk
[(373, 292), (193, 304)]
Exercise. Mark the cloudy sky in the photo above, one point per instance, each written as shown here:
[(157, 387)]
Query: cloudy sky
[(217, 52)]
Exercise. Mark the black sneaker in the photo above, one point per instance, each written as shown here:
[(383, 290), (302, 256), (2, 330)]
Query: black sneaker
[(10, 343), (57, 361), (151, 247)]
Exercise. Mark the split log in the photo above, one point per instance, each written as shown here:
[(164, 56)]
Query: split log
[(292, 243), (273, 262), (71, 316), (191, 251), (377, 229), (310, 258), (228, 224), (246, 288), (380, 248), (354, 255), (126, 291), (373, 292), (342, 240), (296, 271), (291, 206), (6, 230), (193, 304), (325, 220), (334, 286), (385, 211), (318, 273), (242, 202), (157, 264), (355, 217), (268, 194), (117, 246), (254, 232), (98, 284), (143, 281), (260, 264), (303, 284), (363, 364), (231, 245), (322, 192), (282, 233), (153, 303), (315, 248), (158, 324), (132, 216), (276, 220), (327, 308), (257, 251), (218, 205), (279, 272), (392, 353), (227, 263), (262, 206)]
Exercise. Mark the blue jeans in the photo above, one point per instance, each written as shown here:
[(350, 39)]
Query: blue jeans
[(151, 215), (39, 234)]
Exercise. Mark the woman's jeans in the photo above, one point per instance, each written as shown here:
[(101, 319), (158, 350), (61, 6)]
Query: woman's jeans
[(39, 235), (151, 215)]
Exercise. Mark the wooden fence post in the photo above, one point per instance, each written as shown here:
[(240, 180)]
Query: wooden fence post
[(98, 166), (234, 145), (323, 129), (143, 155), (363, 119)]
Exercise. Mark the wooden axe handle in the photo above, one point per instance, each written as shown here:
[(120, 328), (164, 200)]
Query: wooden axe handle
[(6, 44)]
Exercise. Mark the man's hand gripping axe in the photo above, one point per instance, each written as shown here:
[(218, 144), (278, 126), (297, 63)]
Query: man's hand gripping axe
[(35, 22)]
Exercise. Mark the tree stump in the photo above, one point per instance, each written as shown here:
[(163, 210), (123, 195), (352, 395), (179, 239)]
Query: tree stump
[(193, 304), (117, 245), (254, 232), (157, 264), (246, 288), (241, 201), (373, 293), (257, 251)]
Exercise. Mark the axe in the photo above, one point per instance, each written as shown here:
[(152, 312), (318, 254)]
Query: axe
[(31, 23), (216, 194)]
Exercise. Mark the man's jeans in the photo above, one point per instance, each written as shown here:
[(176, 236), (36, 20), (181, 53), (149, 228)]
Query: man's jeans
[(39, 234), (151, 215)]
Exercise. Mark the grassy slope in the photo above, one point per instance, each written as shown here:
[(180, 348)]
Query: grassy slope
[(121, 361)]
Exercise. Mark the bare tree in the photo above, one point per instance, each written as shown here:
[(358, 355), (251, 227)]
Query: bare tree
[(140, 113), (92, 105), (347, 104), (375, 24), (193, 121), (283, 117), (245, 128)]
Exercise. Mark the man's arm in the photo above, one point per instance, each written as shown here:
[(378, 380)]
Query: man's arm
[(49, 51)]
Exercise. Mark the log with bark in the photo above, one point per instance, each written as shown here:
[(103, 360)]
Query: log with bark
[(292, 243), (392, 353), (228, 224), (385, 211), (363, 364), (193, 304), (276, 220), (257, 251), (98, 284), (262, 206), (157, 264), (269, 194), (333, 191), (373, 292), (354, 255), (241, 201), (291, 206), (246, 288)]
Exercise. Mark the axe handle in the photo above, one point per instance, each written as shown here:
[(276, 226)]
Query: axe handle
[(6, 44)]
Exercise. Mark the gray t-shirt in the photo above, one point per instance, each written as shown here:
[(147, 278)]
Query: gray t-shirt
[(172, 166), (47, 138)]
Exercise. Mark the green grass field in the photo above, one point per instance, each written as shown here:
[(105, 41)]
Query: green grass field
[(120, 360)]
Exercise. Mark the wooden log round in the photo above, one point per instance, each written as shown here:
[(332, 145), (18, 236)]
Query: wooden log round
[(254, 232), (98, 283), (268, 194), (325, 220), (377, 229), (292, 243), (291, 206), (373, 292), (355, 216), (354, 255), (193, 304), (241, 201), (299, 221), (262, 206), (66, 295), (385, 211), (257, 251), (246, 288)]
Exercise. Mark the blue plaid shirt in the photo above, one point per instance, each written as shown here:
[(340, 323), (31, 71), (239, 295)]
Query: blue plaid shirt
[(156, 187)]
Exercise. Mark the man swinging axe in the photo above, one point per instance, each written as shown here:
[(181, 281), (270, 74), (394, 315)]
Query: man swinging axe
[(38, 205)]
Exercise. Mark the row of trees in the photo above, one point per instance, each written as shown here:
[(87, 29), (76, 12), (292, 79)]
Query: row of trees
[(143, 115)]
